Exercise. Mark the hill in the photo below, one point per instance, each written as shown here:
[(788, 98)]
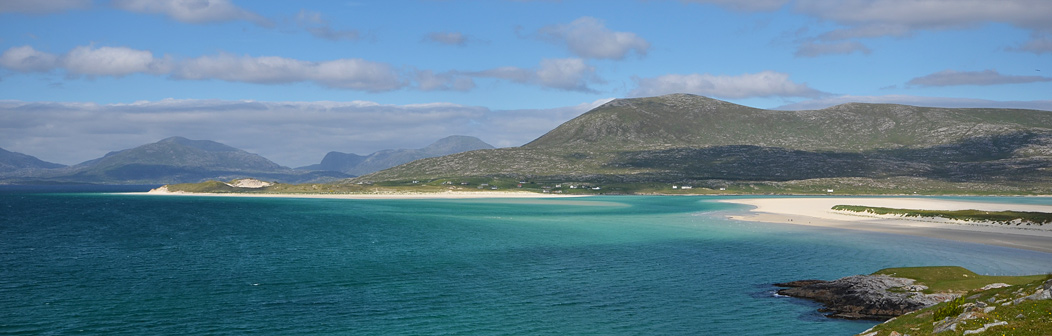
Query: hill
[(359, 165), (11, 161), (687, 139), (171, 160)]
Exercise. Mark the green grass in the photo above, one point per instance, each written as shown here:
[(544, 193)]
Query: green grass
[(1002, 217), (950, 309), (954, 278), (1029, 318)]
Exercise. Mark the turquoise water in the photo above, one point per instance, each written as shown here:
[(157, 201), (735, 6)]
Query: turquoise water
[(123, 264)]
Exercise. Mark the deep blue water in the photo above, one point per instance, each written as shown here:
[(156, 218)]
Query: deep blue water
[(91, 263)]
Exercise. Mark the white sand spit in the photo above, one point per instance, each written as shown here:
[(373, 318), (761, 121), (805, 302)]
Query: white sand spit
[(817, 211)]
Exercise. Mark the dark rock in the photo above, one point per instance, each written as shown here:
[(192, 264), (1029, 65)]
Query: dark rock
[(862, 296), (799, 283)]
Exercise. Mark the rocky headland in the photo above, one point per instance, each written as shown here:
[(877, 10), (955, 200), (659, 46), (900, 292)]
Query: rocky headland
[(935, 300), (874, 297)]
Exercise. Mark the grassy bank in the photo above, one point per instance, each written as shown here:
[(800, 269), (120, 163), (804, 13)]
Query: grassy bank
[(999, 311), (1001, 217)]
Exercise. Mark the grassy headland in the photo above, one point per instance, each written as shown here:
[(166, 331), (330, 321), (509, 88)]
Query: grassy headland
[(1018, 308), (1001, 217)]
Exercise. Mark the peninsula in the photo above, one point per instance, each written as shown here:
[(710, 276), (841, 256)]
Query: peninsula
[(818, 211)]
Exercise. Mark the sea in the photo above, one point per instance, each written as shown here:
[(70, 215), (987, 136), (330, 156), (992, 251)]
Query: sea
[(89, 262)]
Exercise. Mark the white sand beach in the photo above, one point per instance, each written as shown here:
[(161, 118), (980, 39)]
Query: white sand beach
[(817, 211), (393, 195)]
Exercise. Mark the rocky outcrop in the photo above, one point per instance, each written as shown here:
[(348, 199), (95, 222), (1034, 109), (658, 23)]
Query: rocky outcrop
[(863, 296)]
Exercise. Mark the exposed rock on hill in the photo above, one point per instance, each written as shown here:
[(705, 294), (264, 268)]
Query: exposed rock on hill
[(863, 296)]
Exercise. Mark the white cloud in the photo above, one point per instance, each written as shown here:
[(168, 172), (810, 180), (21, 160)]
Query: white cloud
[(1038, 45), (193, 11), (862, 19), (815, 49), (347, 73), (571, 74), (71, 133), (318, 26), (567, 74), (589, 38), (112, 61), (931, 14), (918, 101), (356, 74), (27, 59), (761, 84), (985, 77), (42, 6)]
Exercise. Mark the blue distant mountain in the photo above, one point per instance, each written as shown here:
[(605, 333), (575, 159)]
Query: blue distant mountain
[(355, 164), (11, 161), (172, 160)]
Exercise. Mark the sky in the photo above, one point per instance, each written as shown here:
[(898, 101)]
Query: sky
[(293, 80)]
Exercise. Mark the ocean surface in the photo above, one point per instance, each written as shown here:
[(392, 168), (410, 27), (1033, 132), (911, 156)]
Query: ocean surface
[(118, 264)]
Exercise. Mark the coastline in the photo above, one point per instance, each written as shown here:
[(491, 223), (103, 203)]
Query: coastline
[(816, 211), (406, 195)]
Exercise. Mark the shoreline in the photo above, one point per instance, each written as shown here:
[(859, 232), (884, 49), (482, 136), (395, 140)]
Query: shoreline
[(408, 195), (817, 211)]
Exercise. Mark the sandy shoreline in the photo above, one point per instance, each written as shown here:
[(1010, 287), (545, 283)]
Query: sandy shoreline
[(816, 211), (812, 211), (436, 195)]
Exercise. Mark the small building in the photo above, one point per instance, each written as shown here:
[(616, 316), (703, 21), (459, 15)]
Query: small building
[(686, 187)]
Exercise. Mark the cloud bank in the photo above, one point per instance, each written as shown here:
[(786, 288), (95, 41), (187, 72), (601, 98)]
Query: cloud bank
[(289, 133), (822, 103), (570, 74), (761, 84), (985, 77), (42, 7), (193, 11), (864, 19)]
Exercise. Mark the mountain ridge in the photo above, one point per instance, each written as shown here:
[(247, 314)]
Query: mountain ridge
[(170, 160), (12, 161), (355, 164), (703, 141)]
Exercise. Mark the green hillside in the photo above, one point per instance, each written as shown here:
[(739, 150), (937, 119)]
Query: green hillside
[(686, 139)]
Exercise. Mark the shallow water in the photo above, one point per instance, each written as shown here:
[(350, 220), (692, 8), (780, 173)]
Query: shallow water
[(121, 264)]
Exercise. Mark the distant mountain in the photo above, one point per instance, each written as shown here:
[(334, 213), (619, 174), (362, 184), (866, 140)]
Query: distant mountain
[(11, 161), (175, 160), (358, 165), (702, 141)]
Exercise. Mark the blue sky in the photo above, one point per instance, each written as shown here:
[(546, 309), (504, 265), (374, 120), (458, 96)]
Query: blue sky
[(292, 80)]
